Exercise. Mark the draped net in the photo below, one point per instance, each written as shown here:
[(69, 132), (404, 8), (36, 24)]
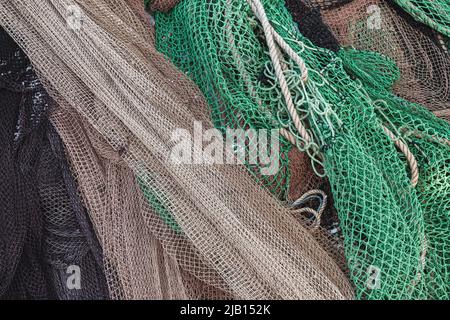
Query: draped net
[(236, 238), (351, 124)]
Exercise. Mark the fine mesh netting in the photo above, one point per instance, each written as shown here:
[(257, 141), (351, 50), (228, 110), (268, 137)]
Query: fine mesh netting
[(328, 4), (161, 5), (45, 228), (339, 187), (435, 14), (136, 265), (252, 65), (236, 237), (375, 25)]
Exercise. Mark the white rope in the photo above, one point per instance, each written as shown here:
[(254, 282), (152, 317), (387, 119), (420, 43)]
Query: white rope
[(272, 37), (408, 154)]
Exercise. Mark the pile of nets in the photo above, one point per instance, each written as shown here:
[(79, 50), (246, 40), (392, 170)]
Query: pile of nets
[(236, 237), (252, 64), (44, 227), (224, 149), (435, 14), (381, 26), (428, 137)]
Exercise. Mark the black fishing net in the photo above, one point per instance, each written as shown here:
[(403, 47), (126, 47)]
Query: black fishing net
[(48, 249)]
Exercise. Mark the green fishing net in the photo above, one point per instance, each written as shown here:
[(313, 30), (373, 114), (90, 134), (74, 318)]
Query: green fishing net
[(435, 14), (429, 140), (391, 229), (234, 88)]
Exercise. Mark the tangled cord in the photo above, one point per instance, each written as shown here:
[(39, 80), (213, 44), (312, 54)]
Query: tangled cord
[(315, 194), (273, 39)]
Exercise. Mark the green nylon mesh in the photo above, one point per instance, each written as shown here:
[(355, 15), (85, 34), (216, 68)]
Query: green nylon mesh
[(435, 14), (233, 89), (429, 140), (221, 46)]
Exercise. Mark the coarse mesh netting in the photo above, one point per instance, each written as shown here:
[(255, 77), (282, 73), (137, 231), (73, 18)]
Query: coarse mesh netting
[(376, 25), (428, 137), (236, 236), (435, 14), (45, 229), (295, 176), (392, 247)]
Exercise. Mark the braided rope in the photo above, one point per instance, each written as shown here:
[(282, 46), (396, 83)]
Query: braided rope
[(273, 38)]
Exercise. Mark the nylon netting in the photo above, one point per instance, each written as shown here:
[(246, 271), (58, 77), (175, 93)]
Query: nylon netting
[(222, 45), (237, 238), (435, 14), (45, 229), (375, 25), (137, 265), (427, 136)]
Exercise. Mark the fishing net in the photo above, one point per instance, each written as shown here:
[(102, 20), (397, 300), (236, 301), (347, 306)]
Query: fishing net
[(328, 4), (137, 266), (435, 14), (251, 62), (375, 25), (161, 5), (45, 229), (244, 242), (414, 126)]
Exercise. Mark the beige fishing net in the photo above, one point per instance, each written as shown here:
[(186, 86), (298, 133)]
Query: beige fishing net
[(137, 266), (227, 237), (377, 25)]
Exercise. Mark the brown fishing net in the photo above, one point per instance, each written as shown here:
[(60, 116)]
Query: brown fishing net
[(377, 25), (328, 4), (136, 264), (225, 230), (162, 5)]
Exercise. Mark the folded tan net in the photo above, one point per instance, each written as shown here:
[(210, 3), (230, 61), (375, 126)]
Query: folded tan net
[(211, 231)]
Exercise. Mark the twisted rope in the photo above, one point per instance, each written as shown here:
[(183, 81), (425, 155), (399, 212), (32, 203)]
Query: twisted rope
[(317, 194), (272, 37), (408, 154)]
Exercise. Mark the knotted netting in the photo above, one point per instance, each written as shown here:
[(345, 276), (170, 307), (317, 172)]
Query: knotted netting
[(236, 237), (137, 264), (253, 66), (427, 137), (435, 14), (414, 127), (380, 26), (328, 4), (45, 229)]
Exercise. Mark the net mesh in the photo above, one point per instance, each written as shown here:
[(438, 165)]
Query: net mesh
[(161, 5), (428, 138), (435, 14), (137, 264), (45, 228), (375, 25), (244, 242), (386, 225)]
